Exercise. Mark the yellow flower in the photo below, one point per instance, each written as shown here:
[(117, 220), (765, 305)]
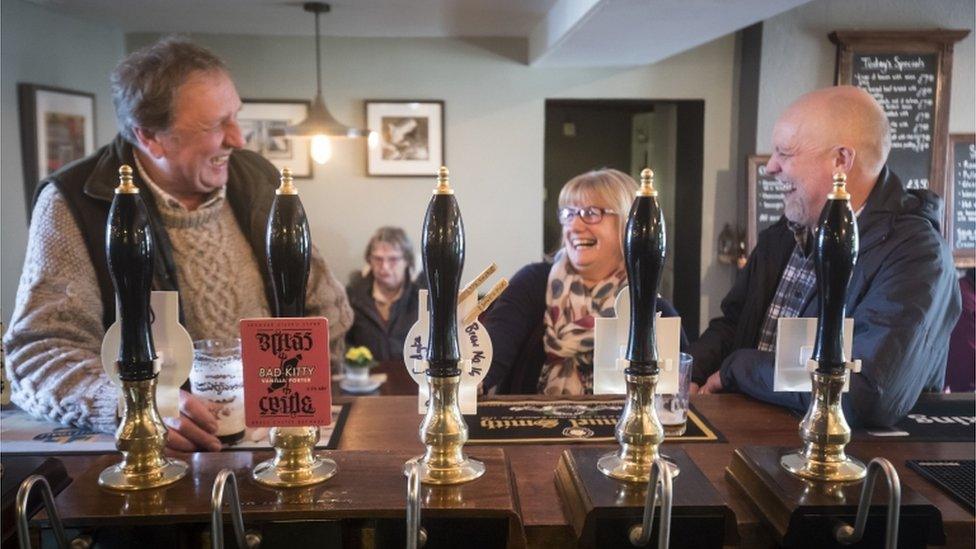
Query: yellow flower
[(359, 355)]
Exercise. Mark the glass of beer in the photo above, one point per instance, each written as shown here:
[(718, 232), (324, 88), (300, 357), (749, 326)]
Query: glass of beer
[(672, 410), (217, 377)]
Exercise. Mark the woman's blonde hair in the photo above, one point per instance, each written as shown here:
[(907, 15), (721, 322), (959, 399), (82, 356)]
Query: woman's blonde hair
[(606, 188)]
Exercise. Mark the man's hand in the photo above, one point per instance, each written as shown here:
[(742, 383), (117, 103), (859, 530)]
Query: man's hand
[(693, 388), (194, 429), (712, 385)]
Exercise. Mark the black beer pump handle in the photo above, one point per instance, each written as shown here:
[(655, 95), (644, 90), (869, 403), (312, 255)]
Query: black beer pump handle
[(443, 257), (834, 256), (644, 250), (130, 251), (289, 249)]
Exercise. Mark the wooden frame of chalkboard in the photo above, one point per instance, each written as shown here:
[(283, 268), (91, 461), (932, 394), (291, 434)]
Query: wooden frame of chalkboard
[(756, 204), (964, 255), (904, 67)]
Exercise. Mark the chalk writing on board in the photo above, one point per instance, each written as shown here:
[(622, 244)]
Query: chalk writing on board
[(905, 86), (770, 199), (964, 196)]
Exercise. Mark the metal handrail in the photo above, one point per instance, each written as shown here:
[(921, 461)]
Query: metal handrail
[(640, 534), (226, 480), (23, 529), (848, 535), (416, 535)]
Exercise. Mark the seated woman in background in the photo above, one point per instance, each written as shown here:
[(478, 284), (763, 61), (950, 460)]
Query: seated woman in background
[(384, 296), (542, 325)]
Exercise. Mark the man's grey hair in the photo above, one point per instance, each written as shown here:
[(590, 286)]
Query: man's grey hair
[(394, 236), (144, 84)]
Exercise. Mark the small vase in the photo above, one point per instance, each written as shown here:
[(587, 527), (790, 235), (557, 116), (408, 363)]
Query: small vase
[(357, 374)]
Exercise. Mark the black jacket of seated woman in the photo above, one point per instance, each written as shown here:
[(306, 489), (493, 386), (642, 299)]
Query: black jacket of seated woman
[(516, 325)]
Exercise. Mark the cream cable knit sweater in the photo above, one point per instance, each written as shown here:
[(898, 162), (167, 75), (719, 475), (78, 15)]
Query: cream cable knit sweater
[(54, 340)]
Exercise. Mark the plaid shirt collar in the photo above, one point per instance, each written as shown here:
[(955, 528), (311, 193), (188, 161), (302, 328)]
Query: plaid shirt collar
[(796, 285)]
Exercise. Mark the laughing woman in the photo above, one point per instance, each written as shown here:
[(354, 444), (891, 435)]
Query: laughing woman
[(541, 327)]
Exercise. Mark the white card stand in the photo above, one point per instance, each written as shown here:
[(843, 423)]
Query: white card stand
[(476, 352), (795, 338), (173, 346), (610, 349)]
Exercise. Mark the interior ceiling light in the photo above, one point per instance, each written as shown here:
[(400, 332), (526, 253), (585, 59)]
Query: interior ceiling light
[(320, 124)]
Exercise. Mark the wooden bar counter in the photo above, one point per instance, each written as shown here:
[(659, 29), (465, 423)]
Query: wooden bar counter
[(390, 422)]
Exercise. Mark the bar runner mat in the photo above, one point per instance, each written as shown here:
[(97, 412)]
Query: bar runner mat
[(562, 422), (955, 477), (932, 421), (22, 434)]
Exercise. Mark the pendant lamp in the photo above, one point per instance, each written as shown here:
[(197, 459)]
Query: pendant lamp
[(320, 124)]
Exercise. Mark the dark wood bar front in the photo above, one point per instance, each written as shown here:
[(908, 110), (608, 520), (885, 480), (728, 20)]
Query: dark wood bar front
[(386, 427), (382, 422)]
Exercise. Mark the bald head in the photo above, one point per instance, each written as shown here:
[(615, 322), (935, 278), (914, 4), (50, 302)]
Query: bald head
[(844, 116), (823, 132)]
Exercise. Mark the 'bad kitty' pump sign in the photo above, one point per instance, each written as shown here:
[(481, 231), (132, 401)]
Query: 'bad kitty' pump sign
[(286, 372)]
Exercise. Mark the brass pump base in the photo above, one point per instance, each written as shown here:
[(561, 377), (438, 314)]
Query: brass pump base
[(466, 471), (444, 433), (141, 438), (116, 477), (639, 433), (846, 470), (825, 433), (295, 463)]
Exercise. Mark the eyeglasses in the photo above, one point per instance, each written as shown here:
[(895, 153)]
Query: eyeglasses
[(591, 215), (391, 260)]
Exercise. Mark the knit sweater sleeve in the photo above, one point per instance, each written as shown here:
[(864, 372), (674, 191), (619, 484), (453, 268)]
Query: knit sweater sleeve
[(327, 297), (54, 340)]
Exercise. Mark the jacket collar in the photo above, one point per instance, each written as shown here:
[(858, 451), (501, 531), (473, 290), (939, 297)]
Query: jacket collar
[(888, 200), (104, 178)]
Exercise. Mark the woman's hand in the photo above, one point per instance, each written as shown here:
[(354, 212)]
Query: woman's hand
[(194, 430)]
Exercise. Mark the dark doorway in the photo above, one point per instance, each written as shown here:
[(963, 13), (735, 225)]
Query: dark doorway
[(668, 136)]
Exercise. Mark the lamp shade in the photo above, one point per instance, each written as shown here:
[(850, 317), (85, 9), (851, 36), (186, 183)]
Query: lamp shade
[(321, 122)]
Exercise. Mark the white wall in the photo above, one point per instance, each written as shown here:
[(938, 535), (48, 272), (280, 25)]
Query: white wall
[(43, 47), (494, 116), (798, 38), (495, 107)]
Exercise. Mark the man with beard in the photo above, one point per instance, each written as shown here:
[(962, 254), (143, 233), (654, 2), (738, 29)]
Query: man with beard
[(903, 294)]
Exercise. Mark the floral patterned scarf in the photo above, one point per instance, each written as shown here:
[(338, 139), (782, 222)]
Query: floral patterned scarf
[(568, 341)]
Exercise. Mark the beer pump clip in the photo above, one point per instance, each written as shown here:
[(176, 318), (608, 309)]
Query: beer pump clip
[(794, 347), (610, 348), (173, 345), (475, 342)]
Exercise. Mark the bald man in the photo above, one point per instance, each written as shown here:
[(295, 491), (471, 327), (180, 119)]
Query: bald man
[(903, 294)]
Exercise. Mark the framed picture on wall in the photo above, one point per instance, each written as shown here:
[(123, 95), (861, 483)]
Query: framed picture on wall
[(57, 126), (263, 123), (410, 137)]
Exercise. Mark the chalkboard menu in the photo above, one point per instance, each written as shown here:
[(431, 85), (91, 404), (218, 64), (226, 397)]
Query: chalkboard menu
[(910, 75), (961, 199), (766, 199), (904, 85)]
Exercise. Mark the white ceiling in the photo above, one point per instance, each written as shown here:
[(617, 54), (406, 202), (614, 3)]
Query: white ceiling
[(364, 18), (559, 32)]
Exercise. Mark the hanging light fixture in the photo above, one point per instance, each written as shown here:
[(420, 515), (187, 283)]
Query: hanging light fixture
[(320, 124)]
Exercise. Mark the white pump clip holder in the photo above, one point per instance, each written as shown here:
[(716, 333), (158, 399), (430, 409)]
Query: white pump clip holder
[(794, 347), (610, 349), (173, 345), (476, 352)]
